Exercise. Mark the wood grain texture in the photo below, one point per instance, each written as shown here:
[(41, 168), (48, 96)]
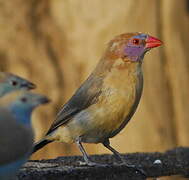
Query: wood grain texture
[(57, 43)]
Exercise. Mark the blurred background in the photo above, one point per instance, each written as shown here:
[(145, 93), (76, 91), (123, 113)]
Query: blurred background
[(57, 43)]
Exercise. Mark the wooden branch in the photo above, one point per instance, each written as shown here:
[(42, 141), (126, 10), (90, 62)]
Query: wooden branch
[(172, 162)]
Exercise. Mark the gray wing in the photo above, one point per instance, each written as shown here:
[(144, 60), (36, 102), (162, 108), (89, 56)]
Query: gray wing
[(85, 96), (16, 141)]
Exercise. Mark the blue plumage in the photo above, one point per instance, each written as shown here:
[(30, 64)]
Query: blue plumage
[(16, 132)]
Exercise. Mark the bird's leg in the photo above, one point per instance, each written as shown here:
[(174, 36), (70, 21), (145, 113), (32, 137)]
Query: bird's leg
[(85, 155), (116, 153), (81, 148), (120, 158)]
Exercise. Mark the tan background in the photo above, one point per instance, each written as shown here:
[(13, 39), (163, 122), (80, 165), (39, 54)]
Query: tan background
[(57, 43)]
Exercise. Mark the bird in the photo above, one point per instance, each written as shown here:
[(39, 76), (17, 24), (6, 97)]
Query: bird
[(10, 82), (107, 99), (16, 131), (16, 142)]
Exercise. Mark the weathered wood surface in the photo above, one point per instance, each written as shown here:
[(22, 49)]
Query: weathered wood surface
[(57, 43), (174, 162)]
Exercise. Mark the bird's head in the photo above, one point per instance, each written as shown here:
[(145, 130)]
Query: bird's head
[(21, 103), (131, 46), (10, 82)]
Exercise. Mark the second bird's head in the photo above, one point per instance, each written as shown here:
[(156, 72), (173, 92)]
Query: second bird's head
[(131, 46), (21, 103), (10, 82)]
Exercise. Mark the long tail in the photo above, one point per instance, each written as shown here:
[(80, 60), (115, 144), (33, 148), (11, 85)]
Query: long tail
[(40, 144)]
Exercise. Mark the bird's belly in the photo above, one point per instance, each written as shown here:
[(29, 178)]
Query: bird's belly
[(109, 118)]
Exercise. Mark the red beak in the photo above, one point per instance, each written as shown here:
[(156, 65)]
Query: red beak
[(152, 42)]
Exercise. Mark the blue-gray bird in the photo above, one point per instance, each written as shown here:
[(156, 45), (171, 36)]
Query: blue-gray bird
[(17, 139), (16, 142), (10, 82)]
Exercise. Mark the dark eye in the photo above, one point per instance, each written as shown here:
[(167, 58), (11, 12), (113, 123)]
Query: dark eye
[(136, 41), (14, 83), (24, 99)]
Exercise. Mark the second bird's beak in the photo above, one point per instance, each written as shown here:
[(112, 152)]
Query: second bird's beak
[(28, 85), (44, 100), (152, 42)]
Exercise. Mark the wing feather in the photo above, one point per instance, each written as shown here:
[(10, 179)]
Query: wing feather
[(85, 96)]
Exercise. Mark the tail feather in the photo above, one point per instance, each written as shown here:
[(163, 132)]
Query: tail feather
[(40, 144)]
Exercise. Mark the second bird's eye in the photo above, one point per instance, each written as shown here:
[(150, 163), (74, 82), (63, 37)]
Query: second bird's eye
[(14, 83), (24, 99), (136, 41)]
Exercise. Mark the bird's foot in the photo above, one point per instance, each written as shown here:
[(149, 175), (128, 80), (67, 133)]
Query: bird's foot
[(91, 164), (123, 162)]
